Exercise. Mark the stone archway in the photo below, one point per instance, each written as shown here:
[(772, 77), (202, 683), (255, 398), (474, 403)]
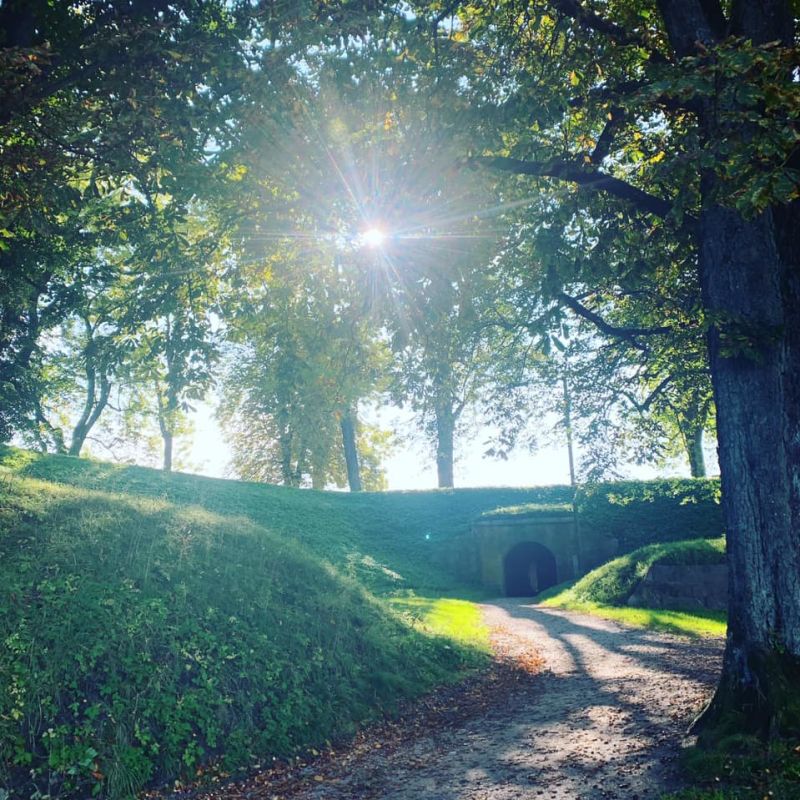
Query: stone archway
[(528, 568)]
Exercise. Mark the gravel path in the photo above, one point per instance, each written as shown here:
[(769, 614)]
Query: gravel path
[(604, 720)]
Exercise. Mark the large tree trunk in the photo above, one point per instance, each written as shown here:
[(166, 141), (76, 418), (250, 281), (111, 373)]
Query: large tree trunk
[(348, 426), (445, 431), (752, 367), (748, 270)]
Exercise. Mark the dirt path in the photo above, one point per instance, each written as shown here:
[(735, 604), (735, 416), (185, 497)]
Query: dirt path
[(603, 719)]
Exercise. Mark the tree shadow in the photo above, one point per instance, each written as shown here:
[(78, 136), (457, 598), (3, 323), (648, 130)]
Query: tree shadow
[(605, 720)]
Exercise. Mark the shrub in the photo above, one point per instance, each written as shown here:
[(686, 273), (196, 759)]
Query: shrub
[(637, 513)]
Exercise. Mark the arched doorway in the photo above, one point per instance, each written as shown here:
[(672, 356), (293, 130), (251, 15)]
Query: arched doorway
[(528, 569)]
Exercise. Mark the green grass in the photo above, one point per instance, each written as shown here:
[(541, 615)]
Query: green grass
[(390, 541), (155, 624), (177, 622), (604, 591), (459, 620), (742, 768), (687, 623)]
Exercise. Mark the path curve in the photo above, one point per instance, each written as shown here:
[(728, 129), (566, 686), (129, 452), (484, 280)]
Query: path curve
[(605, 719)]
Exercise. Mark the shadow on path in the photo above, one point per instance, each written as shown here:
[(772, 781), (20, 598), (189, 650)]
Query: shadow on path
[(604, 719)]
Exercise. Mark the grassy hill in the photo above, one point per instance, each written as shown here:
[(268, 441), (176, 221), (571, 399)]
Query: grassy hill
[(389, 541), (153, 625), (605, 591)]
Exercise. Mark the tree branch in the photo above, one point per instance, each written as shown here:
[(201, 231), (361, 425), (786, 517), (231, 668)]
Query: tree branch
[(620, 91), (610, 330), (644, 407), (589, 177), (595, 22), (606, 139)]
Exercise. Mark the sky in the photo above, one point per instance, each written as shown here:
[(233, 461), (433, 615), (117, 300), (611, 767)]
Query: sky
[(412, 465)]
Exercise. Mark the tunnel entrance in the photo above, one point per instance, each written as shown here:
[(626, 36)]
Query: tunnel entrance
[(528, 569)]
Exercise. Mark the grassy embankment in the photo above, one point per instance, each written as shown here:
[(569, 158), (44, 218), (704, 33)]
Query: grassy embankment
[(605, 590), (152, 625)]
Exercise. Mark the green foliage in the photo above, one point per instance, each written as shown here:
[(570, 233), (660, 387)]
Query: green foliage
[(635, 513), (640, 512), (144, 639), (91, 153), (287, 388), (527, 509)]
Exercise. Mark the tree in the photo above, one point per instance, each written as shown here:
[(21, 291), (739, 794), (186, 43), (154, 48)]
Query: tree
[(681, 116), (642, 405), (305, 355), (107, 110), (172, 299), (446, 359), (290, 398)]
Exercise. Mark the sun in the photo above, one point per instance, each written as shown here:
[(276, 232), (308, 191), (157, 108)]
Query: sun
[(372, 237)]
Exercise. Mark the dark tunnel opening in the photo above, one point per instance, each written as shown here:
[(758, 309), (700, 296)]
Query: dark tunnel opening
[(529, 568)]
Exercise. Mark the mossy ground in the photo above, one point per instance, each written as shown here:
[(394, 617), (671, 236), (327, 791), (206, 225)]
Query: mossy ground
[(742, 768)]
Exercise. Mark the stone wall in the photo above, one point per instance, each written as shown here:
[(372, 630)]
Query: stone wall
[(683, 586)]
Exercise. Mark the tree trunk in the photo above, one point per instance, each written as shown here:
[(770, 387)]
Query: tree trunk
[(753, 365), (317, 479), (55, 433), (167, 410), (445, 429), (568, 428), (748, 272), (285, 445), (348, 426), (168, 440), (694, 450), (94, 405), (691, 424)]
